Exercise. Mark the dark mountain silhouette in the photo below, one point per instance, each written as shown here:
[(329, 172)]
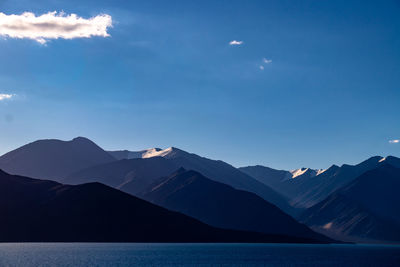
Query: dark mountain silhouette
[(53, 159), (129, 175), (367, 209), (222, 206), (307, 190), (45, 211)]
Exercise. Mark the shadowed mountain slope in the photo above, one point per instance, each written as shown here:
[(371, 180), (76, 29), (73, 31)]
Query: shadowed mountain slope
[(44, 211), (367, 209), (129, 175), (222, 206)]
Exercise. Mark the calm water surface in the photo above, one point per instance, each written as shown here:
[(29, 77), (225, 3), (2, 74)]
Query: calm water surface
[(133, 254)]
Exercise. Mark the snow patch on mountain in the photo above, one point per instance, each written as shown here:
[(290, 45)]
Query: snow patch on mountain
[(310, 172), (298, 172), (382, 159), (154, 152)]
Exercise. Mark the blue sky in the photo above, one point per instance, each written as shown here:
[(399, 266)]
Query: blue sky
[(167, 76)]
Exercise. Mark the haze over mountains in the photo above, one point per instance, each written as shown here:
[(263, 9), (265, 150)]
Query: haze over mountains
[(221, 195)]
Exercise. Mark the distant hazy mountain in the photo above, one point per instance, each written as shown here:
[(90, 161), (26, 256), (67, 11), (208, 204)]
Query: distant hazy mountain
[(268, 176), (367, 209), (313, 186), (44, 211), (54, 159), (279, 179), (222, 172), (129, 175), (222, 206)]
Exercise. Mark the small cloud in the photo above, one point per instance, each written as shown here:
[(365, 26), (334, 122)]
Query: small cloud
[(5, 96), (234, 42), (261, 67), (394, 141), (267, 61), (53, 26)]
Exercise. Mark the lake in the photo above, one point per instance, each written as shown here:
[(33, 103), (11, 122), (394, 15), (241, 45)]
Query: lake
[(136, 254)]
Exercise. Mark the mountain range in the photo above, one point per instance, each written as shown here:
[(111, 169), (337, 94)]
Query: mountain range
[(354, 203), (313, 186), (67, 161)]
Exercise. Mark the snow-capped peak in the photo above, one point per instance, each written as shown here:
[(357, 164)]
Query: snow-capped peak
[(156, 153), (298, 172), (312, 173), (382, 159)]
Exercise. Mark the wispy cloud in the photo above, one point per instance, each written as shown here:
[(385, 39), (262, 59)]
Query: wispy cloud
[(267, 61), (5, 96), (261, 67), (53, 26), (394, 141), (234, 42)]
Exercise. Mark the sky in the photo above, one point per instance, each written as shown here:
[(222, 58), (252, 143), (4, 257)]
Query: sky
[(285, 84)]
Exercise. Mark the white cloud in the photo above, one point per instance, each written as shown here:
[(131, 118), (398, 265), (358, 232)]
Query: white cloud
[(394, 141), (261, 67), (234, 42), (5, 96), (267, 61), (53, 26)]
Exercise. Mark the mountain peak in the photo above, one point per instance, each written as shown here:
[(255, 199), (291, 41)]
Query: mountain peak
[(156, 152), (307, 172), (373, 159), (53, 159), (332, 168), (81, 139)]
